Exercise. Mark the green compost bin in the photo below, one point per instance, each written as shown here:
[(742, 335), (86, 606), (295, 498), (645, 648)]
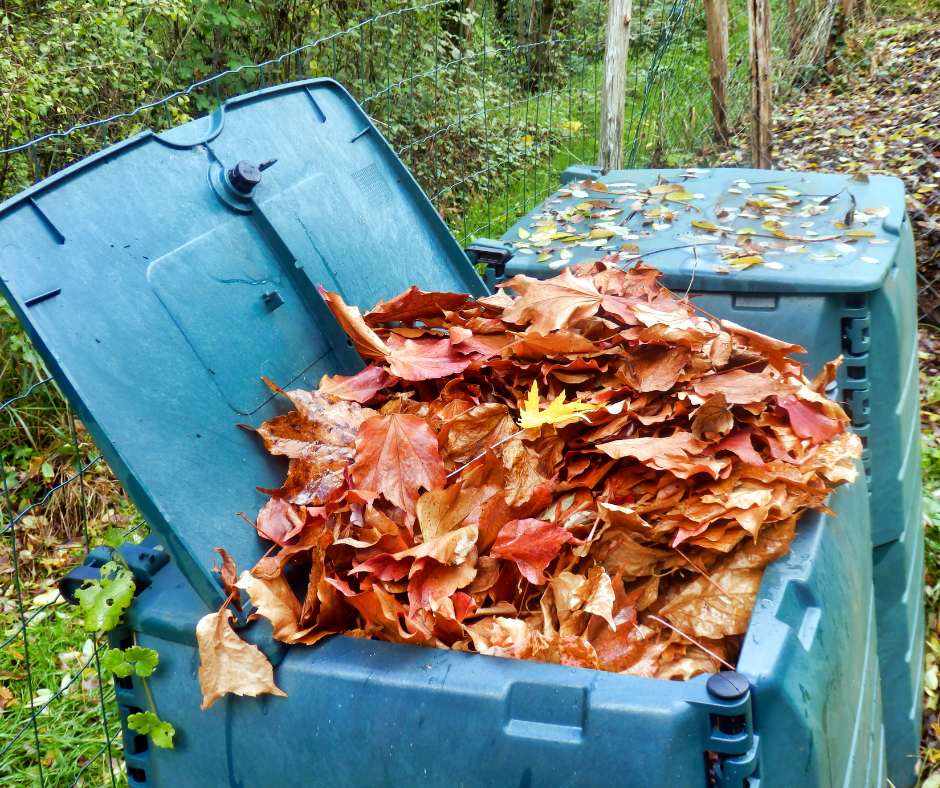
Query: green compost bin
[(854, 299), (160, 279)]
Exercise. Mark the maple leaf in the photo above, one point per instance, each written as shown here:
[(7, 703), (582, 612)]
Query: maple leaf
[(424, 359), (576, 652), (432, 581), (679, 453), (275, 600), (713, 419), (716, 606), (552, 304), (741, 387), (318, 438), (808, 420), (532, 544), (365, 340), (466, 436), (280, 521), (558, 411), (415, 304), (228, 663), (396, 455), (360, 387), (477, 494)]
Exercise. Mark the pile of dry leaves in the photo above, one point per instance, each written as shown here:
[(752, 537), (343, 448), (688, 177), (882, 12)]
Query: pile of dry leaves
[(452, 495)]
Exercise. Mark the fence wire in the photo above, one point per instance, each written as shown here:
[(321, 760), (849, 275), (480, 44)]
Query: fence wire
[(486, 101)]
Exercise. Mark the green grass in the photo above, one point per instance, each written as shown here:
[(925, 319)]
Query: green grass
[(76, 726)]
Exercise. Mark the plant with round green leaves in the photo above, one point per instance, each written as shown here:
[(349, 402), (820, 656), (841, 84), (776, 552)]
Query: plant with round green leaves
[(103, 602), (148, 723), (123, 662)]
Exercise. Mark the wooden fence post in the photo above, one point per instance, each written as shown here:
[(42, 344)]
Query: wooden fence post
[(613, 99), (759, 25), (716, 22), (794, 25)]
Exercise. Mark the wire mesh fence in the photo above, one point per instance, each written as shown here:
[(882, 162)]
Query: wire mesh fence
[(486, 101)]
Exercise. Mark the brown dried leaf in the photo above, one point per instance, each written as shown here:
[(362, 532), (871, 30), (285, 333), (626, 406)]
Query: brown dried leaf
[(229, 664)]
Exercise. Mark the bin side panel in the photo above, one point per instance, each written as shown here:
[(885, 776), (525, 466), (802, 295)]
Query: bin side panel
[(379, 714), (812, 699)]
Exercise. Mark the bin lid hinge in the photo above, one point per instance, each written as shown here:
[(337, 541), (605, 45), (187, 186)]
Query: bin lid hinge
[(143, 560)]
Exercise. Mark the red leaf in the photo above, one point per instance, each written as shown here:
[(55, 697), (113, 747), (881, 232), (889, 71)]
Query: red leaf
[(396, 455), (279, 521), (360, 387), (424, 359), (740, 444), (432, 581), (384, 567), (808, 421), (415, 304), (532, 544)]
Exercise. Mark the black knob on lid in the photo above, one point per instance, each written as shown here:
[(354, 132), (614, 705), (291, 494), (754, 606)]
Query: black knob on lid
[(244, 176), (728, 685)]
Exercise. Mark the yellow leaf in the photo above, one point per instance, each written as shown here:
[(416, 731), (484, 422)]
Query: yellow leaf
[(861, 234), (571, 125), (704, 225), (558, 411), (544, 257), (524, 233), (681, 196), (527, 139), (770, 224), (746, 262), (747, 231), (839, 226), (601, 234)]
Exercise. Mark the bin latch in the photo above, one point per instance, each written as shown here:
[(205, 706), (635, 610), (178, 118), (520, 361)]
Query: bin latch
[(857, 335), (144, 561), (730, 734), (494, 253)]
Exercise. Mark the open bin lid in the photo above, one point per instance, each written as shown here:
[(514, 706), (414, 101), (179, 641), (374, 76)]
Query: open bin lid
[(159, 295), (679, 248)]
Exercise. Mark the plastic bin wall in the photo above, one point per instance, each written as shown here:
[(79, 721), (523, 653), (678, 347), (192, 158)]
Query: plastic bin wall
[(372, 713), (875, 330)]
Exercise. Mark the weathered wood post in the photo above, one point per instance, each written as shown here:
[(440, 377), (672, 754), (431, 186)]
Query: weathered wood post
[(716, 22), (613, 98), (759, 25), (794, 25)]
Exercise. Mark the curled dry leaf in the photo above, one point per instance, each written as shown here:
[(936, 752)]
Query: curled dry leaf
[(228, 663)]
